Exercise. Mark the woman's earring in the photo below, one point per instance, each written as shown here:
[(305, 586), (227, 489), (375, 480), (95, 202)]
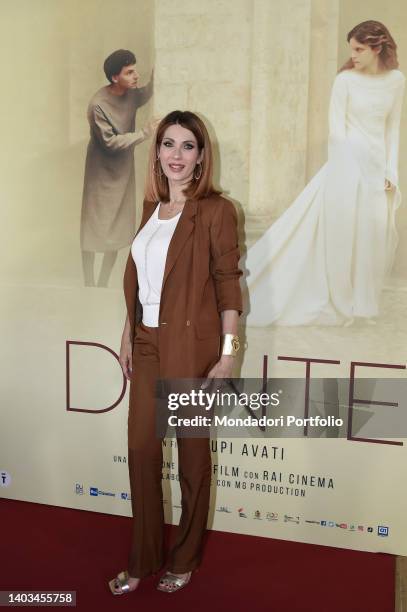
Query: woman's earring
[(200, 171), (160, 172)]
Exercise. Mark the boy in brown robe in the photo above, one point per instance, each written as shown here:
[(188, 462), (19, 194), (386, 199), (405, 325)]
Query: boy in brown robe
[(108, 204)]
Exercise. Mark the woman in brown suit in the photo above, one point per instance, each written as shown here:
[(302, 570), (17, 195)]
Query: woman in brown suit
[(183, 299)]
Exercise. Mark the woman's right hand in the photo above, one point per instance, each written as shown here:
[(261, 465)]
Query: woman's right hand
[(126, 357)]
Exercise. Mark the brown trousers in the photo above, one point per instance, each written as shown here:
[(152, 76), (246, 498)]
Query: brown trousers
[(145, 460)]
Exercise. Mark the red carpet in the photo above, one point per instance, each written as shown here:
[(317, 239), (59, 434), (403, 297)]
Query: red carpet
[(47, 548)]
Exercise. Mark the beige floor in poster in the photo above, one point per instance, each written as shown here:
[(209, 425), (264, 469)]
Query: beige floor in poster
[(384, 342)]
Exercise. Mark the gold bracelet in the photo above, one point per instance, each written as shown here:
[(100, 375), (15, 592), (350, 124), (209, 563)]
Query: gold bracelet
[(230, 344)]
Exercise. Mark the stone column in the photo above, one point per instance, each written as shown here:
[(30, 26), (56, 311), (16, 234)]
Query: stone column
[(203, 55), (323, 68), (279, 104)]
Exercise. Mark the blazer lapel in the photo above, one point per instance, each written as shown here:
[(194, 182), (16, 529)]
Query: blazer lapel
[(184, 228), (148, 209), (130, 275)]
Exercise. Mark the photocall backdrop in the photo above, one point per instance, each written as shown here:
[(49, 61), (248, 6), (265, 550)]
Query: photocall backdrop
[(260, 74)]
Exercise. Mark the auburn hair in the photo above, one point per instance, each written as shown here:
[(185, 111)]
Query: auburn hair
[(157, 188), (374, 34)]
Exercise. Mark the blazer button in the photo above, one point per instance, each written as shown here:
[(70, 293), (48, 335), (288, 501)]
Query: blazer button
[(188, 322), (163, 323)]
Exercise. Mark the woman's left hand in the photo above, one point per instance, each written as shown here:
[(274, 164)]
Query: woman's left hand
[(222, 369), (388, 186)]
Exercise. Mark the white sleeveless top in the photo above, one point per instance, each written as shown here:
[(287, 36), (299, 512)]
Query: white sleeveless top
[(149, 252)]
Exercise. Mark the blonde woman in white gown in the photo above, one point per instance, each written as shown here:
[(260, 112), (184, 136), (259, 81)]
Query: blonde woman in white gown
[(323, 262)]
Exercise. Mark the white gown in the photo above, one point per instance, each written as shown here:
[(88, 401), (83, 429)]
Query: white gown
[(324, 260)]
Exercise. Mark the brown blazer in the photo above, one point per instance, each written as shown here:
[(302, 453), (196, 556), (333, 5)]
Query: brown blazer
[(201, 279)]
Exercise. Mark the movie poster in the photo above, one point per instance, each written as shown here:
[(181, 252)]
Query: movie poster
[(312, 157)]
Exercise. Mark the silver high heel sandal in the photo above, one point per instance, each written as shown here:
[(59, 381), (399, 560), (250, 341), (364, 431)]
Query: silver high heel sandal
[(122, 582), (169, 583)]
